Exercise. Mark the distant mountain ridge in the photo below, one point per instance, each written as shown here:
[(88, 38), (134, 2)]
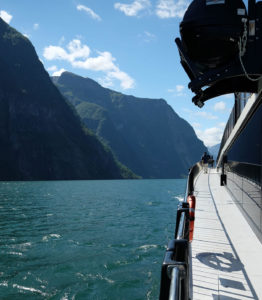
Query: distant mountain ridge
[(41, 135), (213, 150), (145, 134)]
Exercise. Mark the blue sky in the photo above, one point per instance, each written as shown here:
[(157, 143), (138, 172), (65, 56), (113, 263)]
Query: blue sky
[(126, 45)]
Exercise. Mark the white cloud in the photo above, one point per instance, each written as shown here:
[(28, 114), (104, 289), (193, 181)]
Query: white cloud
[(178, 91), (36, 26), (134, 8), (103, 62), (206, 115), (220, 106), (61, 41), (147, 36), (126, 81), (196, 125), (180, 88), (26, 35), (171, 9), (150, 35), (52, 68), (55, 52), (59, 72), (6, 16), (210, 136), (106, 81), (78, 56), (222, 124), (89, 11), (188, 111), (75, 50)]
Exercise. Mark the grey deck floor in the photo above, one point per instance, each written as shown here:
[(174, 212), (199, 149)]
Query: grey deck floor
[(226, 254)]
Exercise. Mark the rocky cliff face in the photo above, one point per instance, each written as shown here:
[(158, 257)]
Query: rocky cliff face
[(41, 135), (145, 134)]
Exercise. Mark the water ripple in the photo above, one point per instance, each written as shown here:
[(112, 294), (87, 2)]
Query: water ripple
[(85, 239)]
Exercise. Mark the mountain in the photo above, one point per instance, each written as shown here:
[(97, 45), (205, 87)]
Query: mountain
[(41, 135), (145, 134), (214, 150)]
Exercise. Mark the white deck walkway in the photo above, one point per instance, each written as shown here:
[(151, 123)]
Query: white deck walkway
[(226, 254)]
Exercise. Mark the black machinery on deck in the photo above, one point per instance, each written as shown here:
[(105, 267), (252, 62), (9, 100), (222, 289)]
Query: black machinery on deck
[(219, 46)]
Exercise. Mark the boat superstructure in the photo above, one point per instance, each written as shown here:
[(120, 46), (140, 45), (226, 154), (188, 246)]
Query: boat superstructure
[(224, 260)]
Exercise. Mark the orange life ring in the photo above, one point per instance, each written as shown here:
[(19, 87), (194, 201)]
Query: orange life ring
[(192, 205)]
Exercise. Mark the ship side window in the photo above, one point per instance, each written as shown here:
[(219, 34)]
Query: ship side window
[(241, 151)]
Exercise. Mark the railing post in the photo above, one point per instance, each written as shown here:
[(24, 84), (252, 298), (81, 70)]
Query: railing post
[(175, 274), (176, 256)]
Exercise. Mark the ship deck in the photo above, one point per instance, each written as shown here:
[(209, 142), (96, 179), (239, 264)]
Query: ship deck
[(226, 254)]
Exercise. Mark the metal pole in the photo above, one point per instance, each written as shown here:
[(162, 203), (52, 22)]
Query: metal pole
[(181, 228), (190, 275), (174, 292)]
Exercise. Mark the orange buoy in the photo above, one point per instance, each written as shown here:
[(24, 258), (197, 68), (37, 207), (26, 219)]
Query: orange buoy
[(192, 204)]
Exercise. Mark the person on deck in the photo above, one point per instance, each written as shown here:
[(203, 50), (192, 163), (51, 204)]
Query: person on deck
[(204, 159), (211, 161)]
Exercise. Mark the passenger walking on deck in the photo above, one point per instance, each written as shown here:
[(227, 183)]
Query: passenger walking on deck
[(205, 158)]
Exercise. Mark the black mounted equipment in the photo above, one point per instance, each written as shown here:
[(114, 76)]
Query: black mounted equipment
[(220, 47)]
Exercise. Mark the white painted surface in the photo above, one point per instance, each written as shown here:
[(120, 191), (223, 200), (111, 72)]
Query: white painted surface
[(226, 254)]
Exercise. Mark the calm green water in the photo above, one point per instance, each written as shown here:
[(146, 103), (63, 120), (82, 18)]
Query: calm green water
[(85, 239)]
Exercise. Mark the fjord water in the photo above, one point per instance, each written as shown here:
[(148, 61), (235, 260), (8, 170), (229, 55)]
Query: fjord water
[(85, 239)]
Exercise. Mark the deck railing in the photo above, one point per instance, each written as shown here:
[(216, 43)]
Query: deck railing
[(176, 275)]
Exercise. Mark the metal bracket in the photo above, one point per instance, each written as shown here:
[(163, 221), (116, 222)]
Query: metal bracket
[(226, 79)]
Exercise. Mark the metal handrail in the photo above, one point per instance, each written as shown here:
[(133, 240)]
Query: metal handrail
[(181, 227), (176, 273), (187, 186), (175, 288)]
